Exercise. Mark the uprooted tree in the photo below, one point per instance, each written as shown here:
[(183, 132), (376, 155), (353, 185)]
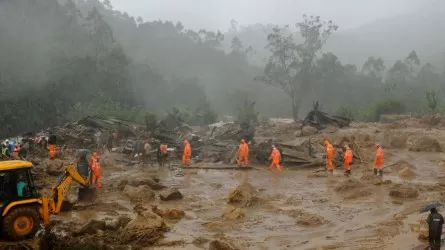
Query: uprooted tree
[(291, 65)]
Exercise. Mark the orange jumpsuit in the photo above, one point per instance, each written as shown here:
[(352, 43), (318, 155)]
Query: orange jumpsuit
[(52, 151), (379, 158), (329, 155), (243, 153), (348, 159), (275, 156), (187, 154), (97, 173), (16, 150)]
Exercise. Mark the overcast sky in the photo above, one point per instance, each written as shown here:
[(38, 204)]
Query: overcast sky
[(216, 14)]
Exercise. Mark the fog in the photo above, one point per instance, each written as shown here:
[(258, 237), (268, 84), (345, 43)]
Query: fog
[(61, 60), (216, 14)]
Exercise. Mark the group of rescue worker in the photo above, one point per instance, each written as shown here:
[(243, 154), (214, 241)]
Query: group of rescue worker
[(243, 156), (348, 156)]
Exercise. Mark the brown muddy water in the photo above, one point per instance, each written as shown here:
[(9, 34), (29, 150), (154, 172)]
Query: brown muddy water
[(299, 209)]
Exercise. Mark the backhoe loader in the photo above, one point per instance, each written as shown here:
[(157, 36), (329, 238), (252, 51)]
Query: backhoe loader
[(23, 208)]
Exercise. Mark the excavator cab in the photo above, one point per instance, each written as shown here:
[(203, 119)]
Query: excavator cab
[(22, 208), (19, 200)]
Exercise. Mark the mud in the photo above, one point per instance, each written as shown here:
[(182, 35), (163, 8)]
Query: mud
[(260, 209)]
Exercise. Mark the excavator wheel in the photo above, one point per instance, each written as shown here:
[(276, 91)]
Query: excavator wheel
[(21, 223)]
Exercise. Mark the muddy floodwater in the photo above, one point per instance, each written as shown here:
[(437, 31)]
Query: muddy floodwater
[(298, 209), (294, 209)]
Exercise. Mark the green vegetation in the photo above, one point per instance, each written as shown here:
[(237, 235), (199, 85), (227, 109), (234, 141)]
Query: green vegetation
[(62, 60)]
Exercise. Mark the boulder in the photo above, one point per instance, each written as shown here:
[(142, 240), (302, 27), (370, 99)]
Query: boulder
[(407, 173), (147, 227), (172, 214), (219, 245), (244, 195), (308, 130), (91, 227), (146, 180), (404, 191), (171, 194), (139, 194), (232, 213)]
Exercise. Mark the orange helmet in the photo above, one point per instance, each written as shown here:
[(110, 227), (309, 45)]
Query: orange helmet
[(94, 154), (377, 145), (186, 142), (326, 142), (243, 141)]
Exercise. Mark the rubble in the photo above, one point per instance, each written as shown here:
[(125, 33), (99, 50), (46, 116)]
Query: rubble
[(138, 194), (147, 227), (171, 194), (232, 213), (404, 191), (245, 195), (219, 245), (321, 120)]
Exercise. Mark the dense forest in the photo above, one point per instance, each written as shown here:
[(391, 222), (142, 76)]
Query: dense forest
[(61, 60)]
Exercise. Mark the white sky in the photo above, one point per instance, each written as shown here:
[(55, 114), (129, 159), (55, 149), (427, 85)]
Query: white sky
[(216, 14)]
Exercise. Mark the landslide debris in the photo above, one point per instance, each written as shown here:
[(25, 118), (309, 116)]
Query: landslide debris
[(245, 195), (139, 194), (404, 191)]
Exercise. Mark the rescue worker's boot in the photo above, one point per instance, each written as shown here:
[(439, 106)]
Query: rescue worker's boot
[(380, 172), (375, 171), (348, 172)]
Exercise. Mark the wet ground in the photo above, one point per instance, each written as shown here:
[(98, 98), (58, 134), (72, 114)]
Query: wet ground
[(299, 209), (296, 209)]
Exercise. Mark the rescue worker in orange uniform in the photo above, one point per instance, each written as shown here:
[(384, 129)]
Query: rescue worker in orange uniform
[(329, 155), (162, 154), (243, 153), (379, 159), (52, 146), (275, 156), (96, 173), (187, 154), (16, 150), (92, 159), (348, 160)]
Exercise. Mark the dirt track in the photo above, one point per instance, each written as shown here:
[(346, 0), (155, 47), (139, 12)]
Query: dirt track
[(295, 209)]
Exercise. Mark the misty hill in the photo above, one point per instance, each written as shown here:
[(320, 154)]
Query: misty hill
[(392, 38)]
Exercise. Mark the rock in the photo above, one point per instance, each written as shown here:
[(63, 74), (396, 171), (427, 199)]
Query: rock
[(171, 194), (53, 167), (219, 245), (172, 214), (147, 180), (91, 227), (200, 241), (308, 130), (244, 195), (407, 174), (146, 227), (118, 223), (304, 218), (425, 144), (232, 213), (404, 191), (403, 164), (348, 184), (138, 194)]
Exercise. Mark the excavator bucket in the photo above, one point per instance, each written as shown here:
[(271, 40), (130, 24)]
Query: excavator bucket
[(87, 194)]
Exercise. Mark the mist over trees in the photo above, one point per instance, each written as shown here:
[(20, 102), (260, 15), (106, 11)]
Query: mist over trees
[(61, 60)]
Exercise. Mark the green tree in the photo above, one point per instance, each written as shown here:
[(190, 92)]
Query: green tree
[(291, 66)]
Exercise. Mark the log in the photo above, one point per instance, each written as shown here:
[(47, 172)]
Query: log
[(221, 168)]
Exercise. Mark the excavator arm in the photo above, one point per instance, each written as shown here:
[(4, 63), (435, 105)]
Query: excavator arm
[(59, 192)]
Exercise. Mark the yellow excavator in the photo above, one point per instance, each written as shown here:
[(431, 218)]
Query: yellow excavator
[(23, 208)]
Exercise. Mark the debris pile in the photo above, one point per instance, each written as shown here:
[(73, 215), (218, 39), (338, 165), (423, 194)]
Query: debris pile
[(322, 120)]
